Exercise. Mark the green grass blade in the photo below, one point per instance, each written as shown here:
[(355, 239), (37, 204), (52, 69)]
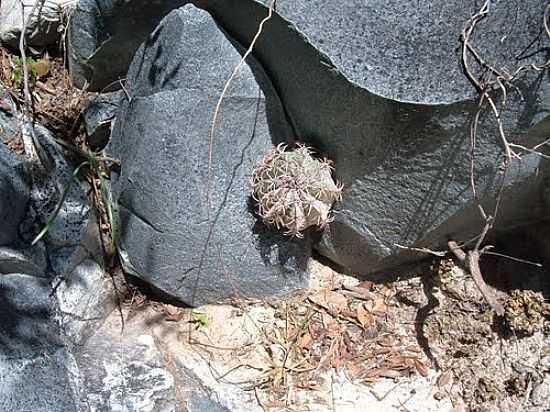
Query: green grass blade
[(52, 218)]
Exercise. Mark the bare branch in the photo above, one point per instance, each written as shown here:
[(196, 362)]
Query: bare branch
[(33, 148), (471, 262), (546, 18), (515, 259), (438, 253), (220, 100)]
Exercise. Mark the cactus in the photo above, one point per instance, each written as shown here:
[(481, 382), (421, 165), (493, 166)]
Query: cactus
[(294, 190)]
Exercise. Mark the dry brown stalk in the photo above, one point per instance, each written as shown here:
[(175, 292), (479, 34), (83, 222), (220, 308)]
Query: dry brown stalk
[(471, 261), (498, 79), (222, 95), (33, 148)]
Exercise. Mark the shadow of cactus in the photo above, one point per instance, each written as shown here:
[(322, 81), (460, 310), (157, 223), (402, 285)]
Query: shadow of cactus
[(294, 190)]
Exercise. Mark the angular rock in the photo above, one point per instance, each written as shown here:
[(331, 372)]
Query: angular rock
[(99, 116), (125, 374), (541, 393), (66, 229), (30, 261), (44, 28), (161, 136), (131, 368), (14, 192), (104, 35), (378, 86), (37, 370), (85, 298)]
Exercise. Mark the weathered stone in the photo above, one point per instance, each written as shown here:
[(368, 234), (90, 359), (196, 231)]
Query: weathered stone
[(30, 261), (104, 35), (189, 248), (394, 113), (139, 366), (44, 28), (99, 116), (14, 193), (125, 373), (541, 393), (85, 299), (37, 370)]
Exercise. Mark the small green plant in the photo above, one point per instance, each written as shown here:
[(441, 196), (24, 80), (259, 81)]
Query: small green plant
[(36, 68), (294, 190), (60, 202), (199, 319), (98, 176)]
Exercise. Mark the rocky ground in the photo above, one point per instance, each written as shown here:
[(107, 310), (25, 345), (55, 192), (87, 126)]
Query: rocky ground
[(424, 342)]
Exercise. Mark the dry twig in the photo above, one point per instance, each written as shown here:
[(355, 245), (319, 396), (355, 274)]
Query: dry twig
[(222, 96), (32, 146), (471, 261), (499, 79)]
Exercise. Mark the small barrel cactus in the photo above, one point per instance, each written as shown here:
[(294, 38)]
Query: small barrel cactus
[(294, 190)]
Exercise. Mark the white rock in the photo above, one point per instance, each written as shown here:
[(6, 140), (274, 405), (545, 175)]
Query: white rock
[(44, 28)]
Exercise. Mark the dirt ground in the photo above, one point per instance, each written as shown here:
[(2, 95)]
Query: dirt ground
[(426, 341)]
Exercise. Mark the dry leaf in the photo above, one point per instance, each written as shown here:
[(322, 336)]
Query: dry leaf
[(367, 284), (364, 317), (383, 351), (305, 341), (41, 67), (421, 368), (354, 369), (386, 341), (277, 376), (379, 306), (444, 379), (330, 300), (384, 373), (172, 313), (333, 328)]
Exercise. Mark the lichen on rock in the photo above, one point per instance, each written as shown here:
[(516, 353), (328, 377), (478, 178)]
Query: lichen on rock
[(294, 190)]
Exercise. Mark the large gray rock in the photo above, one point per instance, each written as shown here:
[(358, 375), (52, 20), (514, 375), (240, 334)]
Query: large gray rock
[(379, 87), (37, 370), (54, 294), (136, 361), (170, 237), (125, 373), (104, 35)]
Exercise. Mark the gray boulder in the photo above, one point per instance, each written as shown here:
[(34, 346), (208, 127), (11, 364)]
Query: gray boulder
[(170, 237), (99, 116), (103, 36), (379, 87), (37, 370), (31, 261), (125, 372), (54, 294)]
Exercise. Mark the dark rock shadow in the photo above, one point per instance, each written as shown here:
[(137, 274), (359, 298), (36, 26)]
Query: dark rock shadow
[(422, 315), (515, 272), (27, 326), (269, 239)]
